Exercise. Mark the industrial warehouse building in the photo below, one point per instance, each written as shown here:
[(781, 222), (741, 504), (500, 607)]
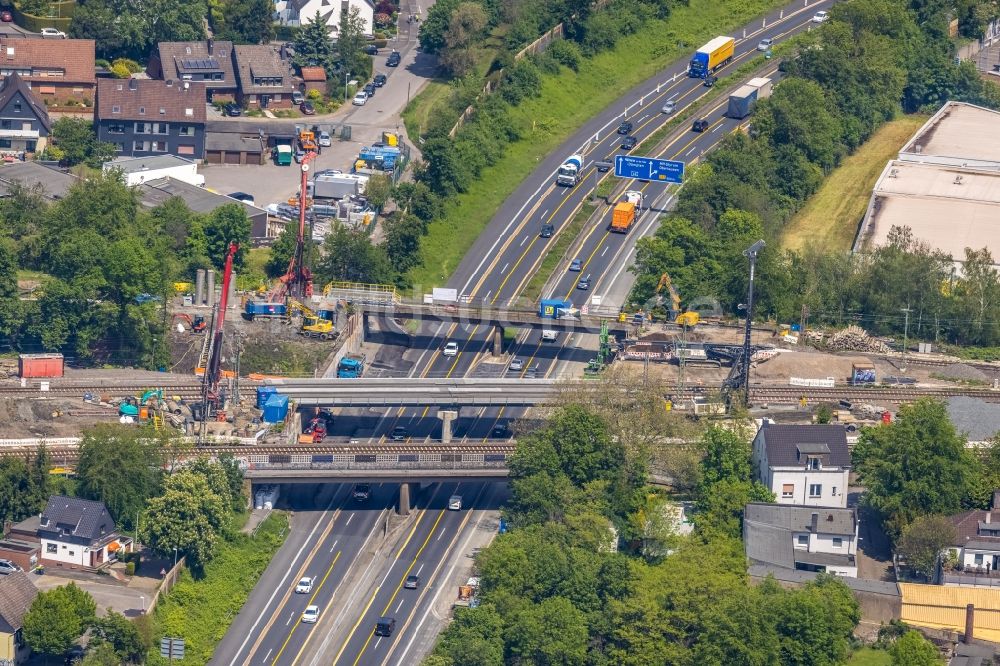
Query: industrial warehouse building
[(944, 185)]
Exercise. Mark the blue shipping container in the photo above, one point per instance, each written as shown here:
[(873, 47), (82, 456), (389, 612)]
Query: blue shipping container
[(549, 307), (276, 408), (263, 393), (256, 308)]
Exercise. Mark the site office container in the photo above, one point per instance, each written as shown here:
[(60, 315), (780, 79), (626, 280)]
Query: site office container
[(40, 365)]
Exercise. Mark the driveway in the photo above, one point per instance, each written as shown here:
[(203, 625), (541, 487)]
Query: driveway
[(127, 601)]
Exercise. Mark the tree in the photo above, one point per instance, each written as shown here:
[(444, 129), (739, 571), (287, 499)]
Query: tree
[(350, 255), (19, 496), (57, 618), (248, 21), (224, 478), (283, 250), (402, 241), (350, 43), (187, 516), (917, 465), (923, 540), (378, 190), (122, 635), (912, 649), (77, 142), (551, 632), (313, 46), (101, 654), (475, 637), (224, 225), (468, 20), (120, 466), (434, 28)]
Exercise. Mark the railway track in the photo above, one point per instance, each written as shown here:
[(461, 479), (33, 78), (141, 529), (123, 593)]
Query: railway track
[(891, 394)]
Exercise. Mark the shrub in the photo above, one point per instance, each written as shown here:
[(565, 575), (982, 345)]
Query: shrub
[(565, 53), (130, 569)]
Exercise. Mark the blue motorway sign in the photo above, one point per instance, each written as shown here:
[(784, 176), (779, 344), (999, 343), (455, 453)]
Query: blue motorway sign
[(648, 168)]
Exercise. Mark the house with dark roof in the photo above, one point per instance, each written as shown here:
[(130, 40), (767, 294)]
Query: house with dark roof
[(145, 117), (265, 77), (803, 464), (75, 532), (209, 62), (17, 593), (807, 538), (977, 547), (300, 12), (24, 122), (58, 71)]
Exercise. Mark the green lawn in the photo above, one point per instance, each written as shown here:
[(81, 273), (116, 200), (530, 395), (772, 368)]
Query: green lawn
[(565, 103), (831, 216), (870, 657), (200, 611)]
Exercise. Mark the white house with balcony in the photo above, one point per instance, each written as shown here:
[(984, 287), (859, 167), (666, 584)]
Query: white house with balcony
[(297, 13), (807, 538), (977, 547), (807, 465), (77, 533)]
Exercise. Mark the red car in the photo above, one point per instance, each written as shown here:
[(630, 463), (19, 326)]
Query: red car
[(6, 16)]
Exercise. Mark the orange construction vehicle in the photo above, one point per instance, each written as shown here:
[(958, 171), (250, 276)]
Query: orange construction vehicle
[(197, 325), (307, 140)]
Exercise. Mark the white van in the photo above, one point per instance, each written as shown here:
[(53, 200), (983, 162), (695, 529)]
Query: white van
[(549, 335)]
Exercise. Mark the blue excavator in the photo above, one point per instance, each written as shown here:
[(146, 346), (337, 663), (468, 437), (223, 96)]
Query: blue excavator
[(131, 405)]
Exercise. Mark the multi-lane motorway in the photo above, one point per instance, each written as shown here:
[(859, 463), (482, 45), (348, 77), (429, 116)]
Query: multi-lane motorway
[(496, 270)]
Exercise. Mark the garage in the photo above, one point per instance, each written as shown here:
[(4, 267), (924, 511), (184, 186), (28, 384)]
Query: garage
[(234, 149)]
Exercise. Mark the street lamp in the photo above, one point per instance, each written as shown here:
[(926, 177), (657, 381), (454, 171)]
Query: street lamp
[(750, 253), (143, 599), (175, 557)]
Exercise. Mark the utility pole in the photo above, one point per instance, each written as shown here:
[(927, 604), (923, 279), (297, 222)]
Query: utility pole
[(750, 253), (906, 332)]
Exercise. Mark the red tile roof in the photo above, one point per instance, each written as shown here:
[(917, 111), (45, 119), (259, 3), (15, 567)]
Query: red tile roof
[(49, 60), (313, 74), (150, 99)]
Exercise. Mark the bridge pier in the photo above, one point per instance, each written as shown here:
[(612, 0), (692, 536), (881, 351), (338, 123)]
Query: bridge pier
[(365, 326), (497, 341), (403, 509), (447, 417)]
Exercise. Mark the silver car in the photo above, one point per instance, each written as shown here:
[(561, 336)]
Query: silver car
[(765, 44), (669, 107)]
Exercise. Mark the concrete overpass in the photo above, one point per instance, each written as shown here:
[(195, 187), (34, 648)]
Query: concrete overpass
[(500, 318), (419, 392)]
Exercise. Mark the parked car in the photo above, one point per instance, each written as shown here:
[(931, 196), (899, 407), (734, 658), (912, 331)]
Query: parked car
[(393, 59), (360, 99), (371, 49), (324, 139), (233, 110), (242, 196), (53, 33), (547, 231), (765, 44), (629, 142), (412, 582), (625, 127), (305, 586), (379, 80), (6, 567), (307, 108), (370, 89), (699, 125), (398, 434), (6, 16), (297, 97), (310, 615), (669, 106), (576, 265), (820, 17), (451, 349), (299, 155)]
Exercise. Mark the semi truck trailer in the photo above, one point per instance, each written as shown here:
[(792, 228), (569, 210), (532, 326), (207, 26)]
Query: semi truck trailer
[(710, 57)]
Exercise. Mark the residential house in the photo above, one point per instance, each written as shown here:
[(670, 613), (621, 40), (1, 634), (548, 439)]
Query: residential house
[(301, 12), (807, 538), (145, 117), (313, 78), (58, 71), (803, 464), (978, 546), (76, 532), (209, 62), (265, 77), (17, 593), (24, 122)]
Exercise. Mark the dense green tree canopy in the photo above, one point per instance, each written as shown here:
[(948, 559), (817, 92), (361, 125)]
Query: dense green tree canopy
[(57, 618), (120, 466)]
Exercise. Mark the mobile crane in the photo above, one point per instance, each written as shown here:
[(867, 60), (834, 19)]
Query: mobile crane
[(211, 398)]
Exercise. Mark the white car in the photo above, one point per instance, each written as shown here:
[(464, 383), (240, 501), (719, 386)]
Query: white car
[(8, 567), (450, 349), (324, 139), (305, 586), (53, 32), (360, 99), (310, 614), (820, 17), (455, 503), (765, 44), (667, 108)]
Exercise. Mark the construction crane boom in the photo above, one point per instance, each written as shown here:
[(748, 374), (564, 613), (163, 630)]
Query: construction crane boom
[(213, 372)]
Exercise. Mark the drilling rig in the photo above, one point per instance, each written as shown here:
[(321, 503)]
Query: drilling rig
[(297, 280), (212, 404)]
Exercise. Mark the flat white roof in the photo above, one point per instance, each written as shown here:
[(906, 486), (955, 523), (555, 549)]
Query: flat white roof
[(137, 164), (958, 131)]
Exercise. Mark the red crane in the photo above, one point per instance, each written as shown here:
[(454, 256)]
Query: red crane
[(213, 370), (297, 280)]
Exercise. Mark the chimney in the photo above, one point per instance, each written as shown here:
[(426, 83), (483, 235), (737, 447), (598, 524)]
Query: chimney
[(970, 614), (987, 516), (211, 45)]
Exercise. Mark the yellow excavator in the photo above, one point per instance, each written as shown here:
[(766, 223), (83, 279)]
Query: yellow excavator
[(312, 325), (678, 317)]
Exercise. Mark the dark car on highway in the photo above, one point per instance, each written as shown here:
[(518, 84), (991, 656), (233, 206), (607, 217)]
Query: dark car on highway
[(699, 125), (385, 626), (6, 16), (362, 492), (629, 142), (625, 127), (547, 231), (710, 81), (398, 434)]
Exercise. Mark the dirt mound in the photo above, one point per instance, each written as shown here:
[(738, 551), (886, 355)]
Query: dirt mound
[(962, 372)]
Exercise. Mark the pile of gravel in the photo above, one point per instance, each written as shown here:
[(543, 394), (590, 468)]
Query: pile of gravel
[(962, 372)]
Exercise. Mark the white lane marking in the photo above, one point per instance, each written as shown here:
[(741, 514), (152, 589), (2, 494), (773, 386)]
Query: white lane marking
[(268, 655), (400, 604), (281, 584), (690, 151), (505, 267), (349, 520), (717, 128), (441, 535), (290, 618), (605, 251), (420, 569), (487, 299), (335, 542), (546, 212), (643, 118), (523, 242)]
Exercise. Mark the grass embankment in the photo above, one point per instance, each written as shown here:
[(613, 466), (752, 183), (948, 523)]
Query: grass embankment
[(870, 657), (565, 102), (200, 611), (830, 218)]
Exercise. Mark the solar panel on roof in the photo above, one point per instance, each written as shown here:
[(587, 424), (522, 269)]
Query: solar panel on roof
[(200, 63)]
